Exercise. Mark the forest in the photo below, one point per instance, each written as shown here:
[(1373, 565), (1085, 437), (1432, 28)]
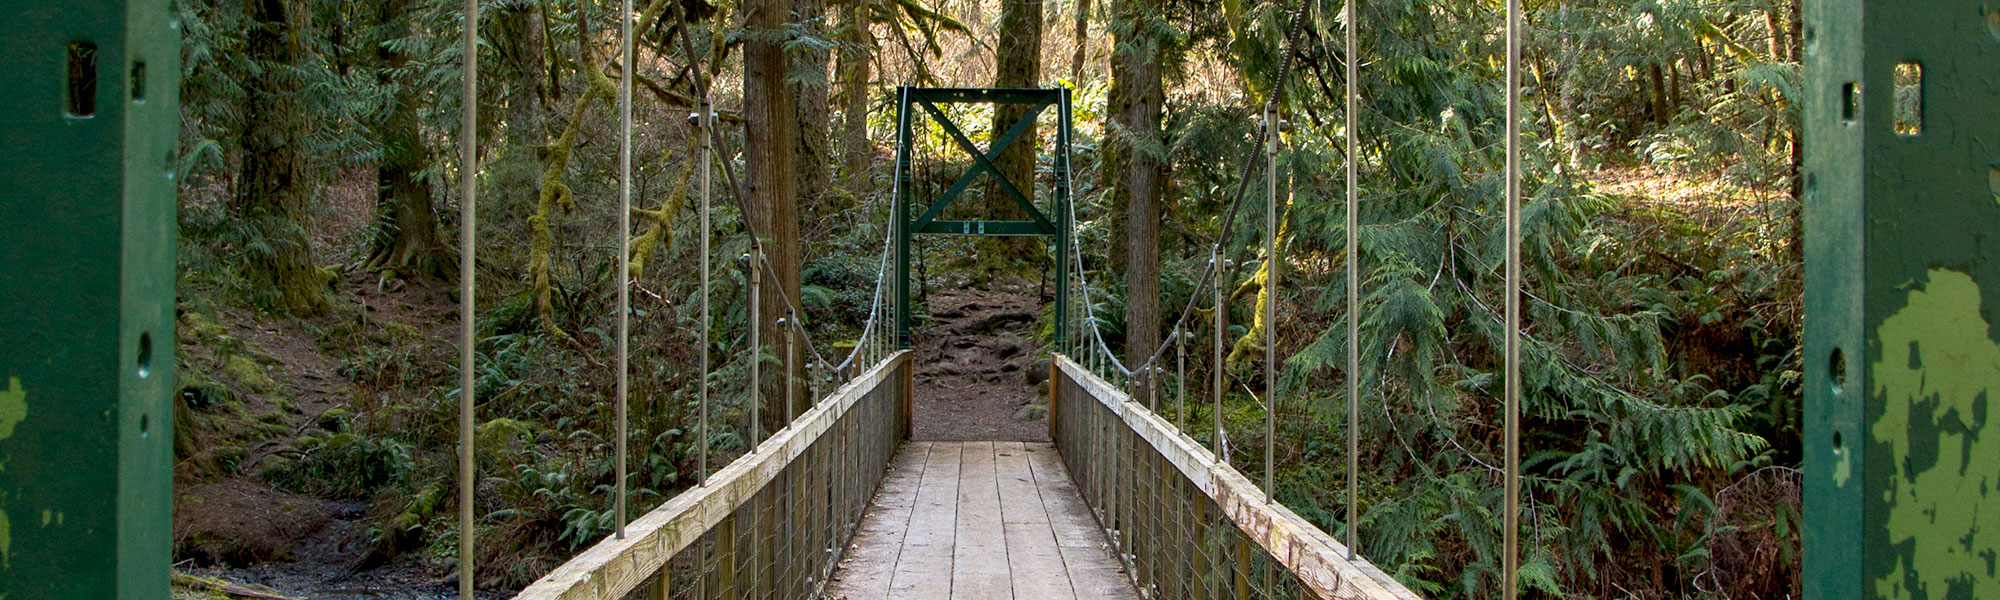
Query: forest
[(315, 429)]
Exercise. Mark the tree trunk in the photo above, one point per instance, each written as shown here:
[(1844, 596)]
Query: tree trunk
[(1135, 72), (857, 153), (1081, 38), (771, 163), (409, 242), (1659, 93), (810, 90), (520, 36), (1017, 64), (271, 191)]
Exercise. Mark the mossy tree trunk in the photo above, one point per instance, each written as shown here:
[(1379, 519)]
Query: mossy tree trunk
[(809, 88), (272, 191), (771, 163), (857, 153), (1137, 100), (1017, 62), (407, 242)]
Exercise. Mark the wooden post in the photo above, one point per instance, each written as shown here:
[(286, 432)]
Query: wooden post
[(1054, 372), (660, 590), (909, 393)]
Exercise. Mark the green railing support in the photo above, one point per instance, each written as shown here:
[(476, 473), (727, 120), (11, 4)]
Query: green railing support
[(91, 116), (1902, 359)]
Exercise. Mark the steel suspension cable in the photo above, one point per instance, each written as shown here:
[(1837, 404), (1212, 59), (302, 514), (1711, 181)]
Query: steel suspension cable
[(703, 121), (1511, 558), (1353, 294), (627, 55), (1273, 128), (468, 238)]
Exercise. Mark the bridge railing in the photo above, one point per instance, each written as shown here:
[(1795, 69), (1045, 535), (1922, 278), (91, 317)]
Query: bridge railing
[(1185, 524), (769, 525)]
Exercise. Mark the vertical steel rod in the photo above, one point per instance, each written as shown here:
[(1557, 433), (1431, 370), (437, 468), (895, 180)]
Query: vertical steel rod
[(1353, 296), (1511, 558), (1180, 379), (1271, 129), (468, 238), (624, 249), (1221, 318), (756, 352), (702, 121), (791, 364)]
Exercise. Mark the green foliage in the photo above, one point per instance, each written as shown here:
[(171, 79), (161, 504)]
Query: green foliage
[(341, 465)]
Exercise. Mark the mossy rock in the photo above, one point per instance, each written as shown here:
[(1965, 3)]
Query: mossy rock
[(249, 373), (201, 329)]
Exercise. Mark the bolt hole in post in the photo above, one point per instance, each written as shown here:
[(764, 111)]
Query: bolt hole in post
[(1850, 102), (1836, 370), (81, 100), (138, 85), (1909, 99), (145, 357)]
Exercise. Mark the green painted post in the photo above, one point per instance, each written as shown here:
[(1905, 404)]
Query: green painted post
[(1901, 192), (87, 186), (1063, 225), (899, 217)]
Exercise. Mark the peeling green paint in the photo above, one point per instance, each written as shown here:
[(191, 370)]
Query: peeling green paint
[(1844, 469), (13, 410), (13, 406), (1944, 513)]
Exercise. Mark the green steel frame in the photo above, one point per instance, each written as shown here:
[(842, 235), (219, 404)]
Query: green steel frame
[(1901, 192), (87, 298), (911, 99)]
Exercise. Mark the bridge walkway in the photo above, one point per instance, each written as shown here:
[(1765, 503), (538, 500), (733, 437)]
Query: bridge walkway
[(978, 521)]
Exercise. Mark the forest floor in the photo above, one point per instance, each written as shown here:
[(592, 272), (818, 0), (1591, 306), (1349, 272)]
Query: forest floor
[(974, 364), (231, 524)]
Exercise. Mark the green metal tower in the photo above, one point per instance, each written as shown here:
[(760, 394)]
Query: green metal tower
[(1902, 200), (906, 224), (89, 122)]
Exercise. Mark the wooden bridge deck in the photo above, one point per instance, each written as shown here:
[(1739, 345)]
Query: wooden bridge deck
[(978, 521)]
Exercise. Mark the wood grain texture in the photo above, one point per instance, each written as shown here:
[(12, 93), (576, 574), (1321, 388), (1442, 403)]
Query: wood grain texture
[(978, 520)]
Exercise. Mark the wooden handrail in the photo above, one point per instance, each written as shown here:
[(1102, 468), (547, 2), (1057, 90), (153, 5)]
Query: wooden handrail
[(614, 567), (1316, 558)]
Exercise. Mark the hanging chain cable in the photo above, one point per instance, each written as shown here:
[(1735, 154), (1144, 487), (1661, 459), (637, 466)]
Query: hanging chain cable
[(624, 251), (468, 144), (1353, 290), (1511, 559)]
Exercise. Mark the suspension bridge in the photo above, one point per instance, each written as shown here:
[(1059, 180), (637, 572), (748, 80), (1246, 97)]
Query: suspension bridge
[(1128, 500)]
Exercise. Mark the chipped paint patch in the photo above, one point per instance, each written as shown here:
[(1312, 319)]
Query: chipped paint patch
[(13, 410), (13, 406), (1936, 379)]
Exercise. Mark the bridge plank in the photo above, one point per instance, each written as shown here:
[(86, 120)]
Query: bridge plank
[(981, 523), (1092, 571), (923, 568), (867, 569), (1033, 559), (979, 557)]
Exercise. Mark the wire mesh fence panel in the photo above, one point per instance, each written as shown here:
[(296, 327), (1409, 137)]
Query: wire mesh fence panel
[(1185, 525), (770, 525)]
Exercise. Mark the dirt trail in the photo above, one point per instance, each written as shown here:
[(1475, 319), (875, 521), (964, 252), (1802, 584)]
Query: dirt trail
[(971, 366)]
